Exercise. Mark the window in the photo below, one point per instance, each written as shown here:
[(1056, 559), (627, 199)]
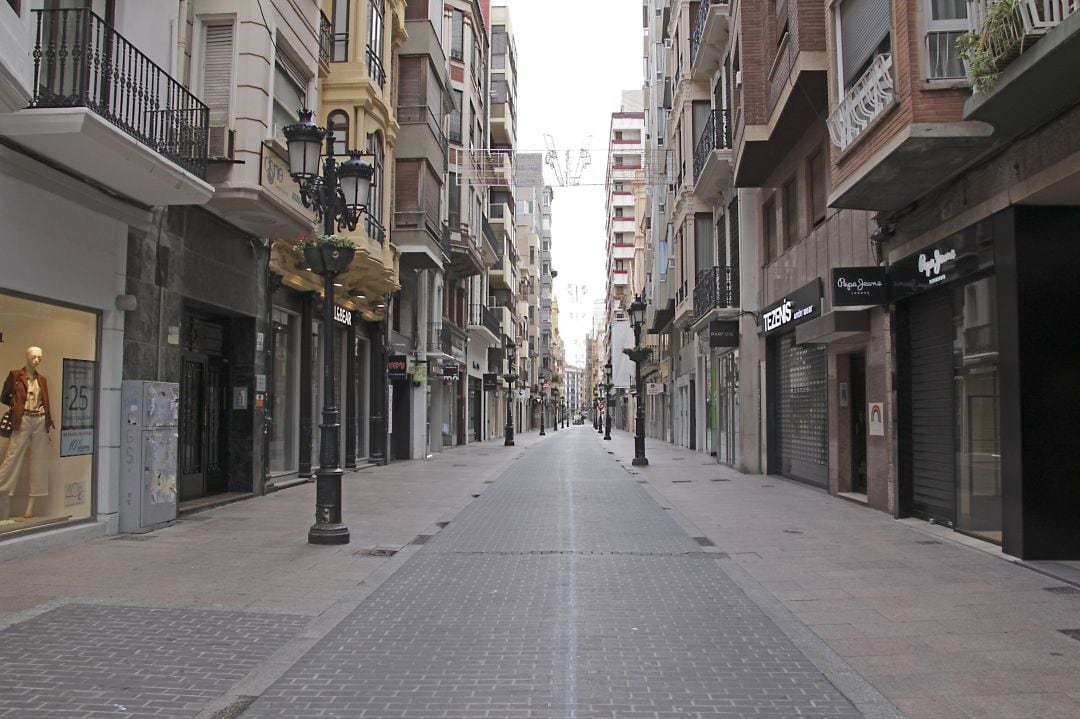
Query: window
[(946, 20), (375, 42), (416, 10), (217, 72), (341, 132), (373, 217), (703, 242), (791, 213), (768, 229), (290, 91), (453, 210), (815, 172), (532, 255), (455, 117), (339, 22), (457, 36), (498, 48), (863, 27)]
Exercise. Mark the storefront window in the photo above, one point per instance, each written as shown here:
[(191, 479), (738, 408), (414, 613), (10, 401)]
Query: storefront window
[(284, 400), (48, 357)]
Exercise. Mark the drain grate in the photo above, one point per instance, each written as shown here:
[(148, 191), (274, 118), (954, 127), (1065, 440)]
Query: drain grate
[(375, 552), (1071, 633), (704, 541), (132, 538), (1062, 590), (421, 539), (928, 541)]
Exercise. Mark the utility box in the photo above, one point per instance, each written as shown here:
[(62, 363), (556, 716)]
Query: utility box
[(148, 454)]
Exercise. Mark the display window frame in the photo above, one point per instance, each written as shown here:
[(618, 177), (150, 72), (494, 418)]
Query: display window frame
[(56, 401)]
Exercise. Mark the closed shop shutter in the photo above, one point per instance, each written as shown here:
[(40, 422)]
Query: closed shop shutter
[(932, 450), (799, 410)]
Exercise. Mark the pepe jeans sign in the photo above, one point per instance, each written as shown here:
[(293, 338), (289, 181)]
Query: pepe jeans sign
[(961, 254), (800, 306), (858, 286)]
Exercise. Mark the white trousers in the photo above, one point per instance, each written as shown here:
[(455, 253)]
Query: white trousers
[(31, 440)]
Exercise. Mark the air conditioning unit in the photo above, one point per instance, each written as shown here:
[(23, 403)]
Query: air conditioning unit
[(220, 142)]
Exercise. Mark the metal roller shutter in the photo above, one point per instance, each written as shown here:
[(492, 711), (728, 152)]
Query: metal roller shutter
[(800, 410), (933, 451)]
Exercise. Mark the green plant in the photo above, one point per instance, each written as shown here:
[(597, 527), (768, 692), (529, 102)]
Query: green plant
[(339, 241), (986, 51)]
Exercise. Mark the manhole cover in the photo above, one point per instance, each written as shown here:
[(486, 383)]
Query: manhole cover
[(1062, 590), (793, 531), (704, 541), (132, 538), (928, 541)]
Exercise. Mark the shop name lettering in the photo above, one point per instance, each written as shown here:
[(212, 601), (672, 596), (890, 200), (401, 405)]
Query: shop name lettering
[(931, 266), (784, 314), (342, 315), (859, 285), (395, 366)]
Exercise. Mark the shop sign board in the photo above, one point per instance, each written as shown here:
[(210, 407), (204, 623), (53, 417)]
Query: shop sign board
[(964, 253), (420, 372), (655, 388), (450, 369), (490, 382), (274, 176), (859, 286), (875, 412), (343, 315), (397, 368), (724, 333), (795, 308), (77, 417)]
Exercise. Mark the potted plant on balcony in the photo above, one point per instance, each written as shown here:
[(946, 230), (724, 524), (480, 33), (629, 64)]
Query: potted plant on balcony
[(999, 38), (327, 254)]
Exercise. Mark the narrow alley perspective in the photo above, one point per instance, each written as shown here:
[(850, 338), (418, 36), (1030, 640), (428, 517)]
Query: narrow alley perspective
[(548, 580)]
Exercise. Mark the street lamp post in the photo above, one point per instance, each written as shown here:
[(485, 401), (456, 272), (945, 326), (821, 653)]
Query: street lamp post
[(511, 378), (639, 354), (555, 409), (607, 400), (339, 195), (600, 405), (543, 403)]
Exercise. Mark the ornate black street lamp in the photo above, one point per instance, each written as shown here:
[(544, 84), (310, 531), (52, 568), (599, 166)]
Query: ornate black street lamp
[(543, 406), (339, 195), (607, 400), (511, 378), (638, 355), (554, 409), (600, 408)]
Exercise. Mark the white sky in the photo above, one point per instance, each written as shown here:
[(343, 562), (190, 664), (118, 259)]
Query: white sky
[(575, 57)]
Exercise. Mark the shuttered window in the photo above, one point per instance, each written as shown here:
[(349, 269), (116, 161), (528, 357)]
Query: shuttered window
[(864, 27), (416, 10), (410, 81), (432, 194), (407, 186), (217, 71)]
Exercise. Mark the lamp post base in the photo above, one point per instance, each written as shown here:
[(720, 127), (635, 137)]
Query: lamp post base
[(640, 462), (328, 534)]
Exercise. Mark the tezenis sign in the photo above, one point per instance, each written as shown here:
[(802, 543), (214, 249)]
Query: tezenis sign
[(800, 306)]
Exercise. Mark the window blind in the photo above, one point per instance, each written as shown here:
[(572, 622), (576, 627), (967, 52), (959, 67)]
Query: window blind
[(864, 24)]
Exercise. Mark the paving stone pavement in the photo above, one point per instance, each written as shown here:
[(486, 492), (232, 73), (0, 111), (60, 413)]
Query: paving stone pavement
[(564, 591), (86, 661)]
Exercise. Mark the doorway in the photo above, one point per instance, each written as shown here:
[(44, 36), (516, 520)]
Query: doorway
[(203, 418), (857, 382), (693, 414)]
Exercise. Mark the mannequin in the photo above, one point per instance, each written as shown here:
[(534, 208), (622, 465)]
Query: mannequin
[(27, 393)]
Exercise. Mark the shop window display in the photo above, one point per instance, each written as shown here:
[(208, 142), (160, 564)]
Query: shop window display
[(47, 357)]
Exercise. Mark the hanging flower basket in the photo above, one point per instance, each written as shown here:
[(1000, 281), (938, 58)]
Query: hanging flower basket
[(327, 254)]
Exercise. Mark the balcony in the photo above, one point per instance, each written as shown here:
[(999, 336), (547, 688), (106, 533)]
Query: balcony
[(486, 322), (1038, 83), (419, 238), (708, 39), (326, 44), (465, 257), (492, 248), (16, 66), (106, 111), (421, 137), (716, 295), (438, 339), (620, 278), (713, 158), (868, 99)]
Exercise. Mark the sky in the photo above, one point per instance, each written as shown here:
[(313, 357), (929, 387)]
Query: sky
[(575, 57)]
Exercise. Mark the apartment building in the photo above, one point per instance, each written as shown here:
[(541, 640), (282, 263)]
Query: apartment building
[(84, 173), (973, 178)]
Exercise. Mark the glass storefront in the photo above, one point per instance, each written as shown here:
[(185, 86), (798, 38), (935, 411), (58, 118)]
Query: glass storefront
[(46, 473), (284, 401), (727, 451)]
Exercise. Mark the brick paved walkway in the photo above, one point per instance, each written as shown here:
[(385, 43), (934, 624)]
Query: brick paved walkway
[(564, 591)]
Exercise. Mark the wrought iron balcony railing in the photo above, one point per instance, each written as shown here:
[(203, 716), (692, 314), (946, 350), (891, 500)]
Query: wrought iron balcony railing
[(716, 135), (717, 287), (699, 26), (375, 67), (438, 339), (326, 40), (867, 99), (483, 316), (80, 61)]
